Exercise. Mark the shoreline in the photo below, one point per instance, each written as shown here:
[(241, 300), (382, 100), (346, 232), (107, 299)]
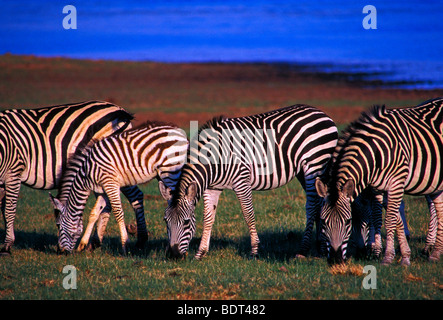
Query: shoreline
[(182, 92), (370, 74)]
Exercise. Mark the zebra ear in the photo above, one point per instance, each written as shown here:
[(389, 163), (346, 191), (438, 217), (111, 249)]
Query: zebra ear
[(322, 189), (165, 191), (348, 189), (191, 193), (56, 203)]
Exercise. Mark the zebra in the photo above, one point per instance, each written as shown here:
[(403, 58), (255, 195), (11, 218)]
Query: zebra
[(395, 151), (154, 150), (367, 222), (258, 152), (36, 144)]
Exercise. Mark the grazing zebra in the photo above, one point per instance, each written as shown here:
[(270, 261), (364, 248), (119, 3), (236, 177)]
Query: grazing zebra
[(367, 221), (259, 152), (36, 144), (129, 158), (395, 151)]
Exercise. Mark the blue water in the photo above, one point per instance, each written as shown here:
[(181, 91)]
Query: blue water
[(406, 48)]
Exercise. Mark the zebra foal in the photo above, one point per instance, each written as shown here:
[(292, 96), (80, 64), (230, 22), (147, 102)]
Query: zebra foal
[(129, 158), (259, 152), (36, 144), (395, 151)]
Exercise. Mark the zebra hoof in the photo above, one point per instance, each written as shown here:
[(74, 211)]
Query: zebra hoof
[(5, 252), (427, 251), (81, 247), (405, 262), (434, 257), (131, 229), (200, 254), (253, 256)]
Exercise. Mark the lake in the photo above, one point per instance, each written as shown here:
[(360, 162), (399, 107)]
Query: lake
[(405, 49)]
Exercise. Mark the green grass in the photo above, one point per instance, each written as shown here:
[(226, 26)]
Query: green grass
[(34, 270)]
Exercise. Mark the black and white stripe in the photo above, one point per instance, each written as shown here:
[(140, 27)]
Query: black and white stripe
[(395, 151), (36, 144), (259, 152), (126, 159), (367, 222)]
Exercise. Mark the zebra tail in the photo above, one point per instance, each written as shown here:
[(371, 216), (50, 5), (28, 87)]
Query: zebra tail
[(123, 116)]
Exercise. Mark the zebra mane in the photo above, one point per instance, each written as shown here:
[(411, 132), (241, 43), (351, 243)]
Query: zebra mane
[(213, 123), (210, 124), (355, 127), (184, 181), (73, 166), (366, 117)]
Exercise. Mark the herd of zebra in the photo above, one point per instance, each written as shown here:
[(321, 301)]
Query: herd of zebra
[(91, 146)]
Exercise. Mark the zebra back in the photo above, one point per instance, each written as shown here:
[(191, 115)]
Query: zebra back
[(277, 145), (399, 142), (391, 150), (46, 138), (129, 158), (134, 155), (258, 152)]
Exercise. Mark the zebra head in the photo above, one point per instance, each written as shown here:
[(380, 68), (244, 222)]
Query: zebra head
[(69, 229), (179, 217), (336, 218)]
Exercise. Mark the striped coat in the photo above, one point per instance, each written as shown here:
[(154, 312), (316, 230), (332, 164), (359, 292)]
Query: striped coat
[(36, 144), (259, 152), (395, 151), (129, 158)]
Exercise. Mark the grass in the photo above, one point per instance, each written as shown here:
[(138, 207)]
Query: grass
[(179, 93), (35, 271)]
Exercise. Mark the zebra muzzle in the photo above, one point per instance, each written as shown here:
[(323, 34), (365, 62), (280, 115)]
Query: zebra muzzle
[(174, 252), (335, 256)]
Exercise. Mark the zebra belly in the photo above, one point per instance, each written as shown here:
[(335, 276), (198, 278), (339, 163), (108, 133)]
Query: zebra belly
[(39, 181), (426, 179)]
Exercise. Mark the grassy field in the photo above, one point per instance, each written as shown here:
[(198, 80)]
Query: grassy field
[(35, 271), (180, 93)]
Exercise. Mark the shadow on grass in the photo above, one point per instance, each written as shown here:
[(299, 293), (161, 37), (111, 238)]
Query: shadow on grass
[(280, 246), (38, 241)]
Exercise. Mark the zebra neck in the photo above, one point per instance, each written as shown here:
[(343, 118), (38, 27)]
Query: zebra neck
[(76, 202)]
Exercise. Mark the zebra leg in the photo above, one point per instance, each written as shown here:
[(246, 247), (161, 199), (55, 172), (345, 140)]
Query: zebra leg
[(312, 213), (244, 195), (93, 216), (112, 190), (9, 206), (403, 218), (377, 222), (438, 202), (210, 198), (393, 223), (432, 229), (102, 222), (135, 197), (403, 242)]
